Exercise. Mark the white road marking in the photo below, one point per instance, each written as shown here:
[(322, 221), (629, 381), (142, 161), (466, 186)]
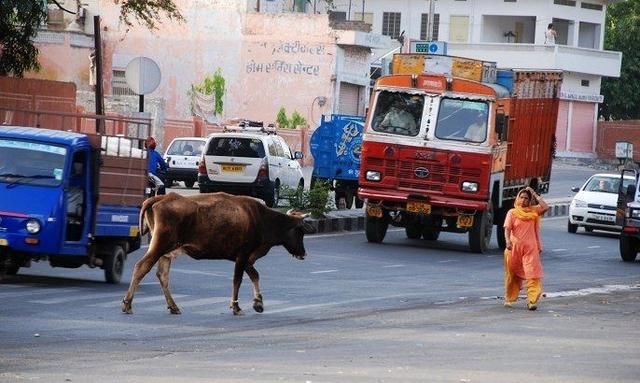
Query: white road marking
[(193, 303), (558, 250), (448, 261), (267, 304), (212, 274), (390, 266), (81, 296), (606, 289), (136, 300), (593, 247), (36, 291), (323, 271)]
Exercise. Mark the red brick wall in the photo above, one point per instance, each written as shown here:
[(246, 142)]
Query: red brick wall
[(611, 131)]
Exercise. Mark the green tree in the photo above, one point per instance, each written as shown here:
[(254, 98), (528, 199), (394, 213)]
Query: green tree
[(20, 20), (622, 95)]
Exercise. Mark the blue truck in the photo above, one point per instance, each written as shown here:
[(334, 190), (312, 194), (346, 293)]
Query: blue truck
[(69, 198), (335, 146)]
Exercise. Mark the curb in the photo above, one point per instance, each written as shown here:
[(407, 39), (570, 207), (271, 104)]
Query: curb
[(353, 220)]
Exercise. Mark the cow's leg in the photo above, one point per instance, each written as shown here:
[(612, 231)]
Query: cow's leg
[(140, 269), (257, 295), (162, 272), (238, 272)]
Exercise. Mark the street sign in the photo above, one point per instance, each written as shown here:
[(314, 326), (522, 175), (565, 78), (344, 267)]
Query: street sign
[(429, 47), (143, 75)]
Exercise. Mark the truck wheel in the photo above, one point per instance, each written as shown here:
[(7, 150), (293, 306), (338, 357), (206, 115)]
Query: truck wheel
[(480, 233), (189, 184), (376, 228), (114, 265), (413, 231), (431, 230), (359, 203), (571, 228), (628, 248), (12, 270)]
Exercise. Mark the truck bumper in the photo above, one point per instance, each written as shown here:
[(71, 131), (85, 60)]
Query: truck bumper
[(435, 200)]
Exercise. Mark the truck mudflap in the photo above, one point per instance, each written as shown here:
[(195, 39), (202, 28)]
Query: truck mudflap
[(117, 221)]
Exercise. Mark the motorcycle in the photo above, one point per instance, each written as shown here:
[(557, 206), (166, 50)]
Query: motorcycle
[(153, 188)]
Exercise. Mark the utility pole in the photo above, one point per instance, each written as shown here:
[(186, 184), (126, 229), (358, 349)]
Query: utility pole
[(99, 92), (430, 19)]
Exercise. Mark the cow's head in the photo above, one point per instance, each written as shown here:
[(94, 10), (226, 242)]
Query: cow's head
[(294, 236)]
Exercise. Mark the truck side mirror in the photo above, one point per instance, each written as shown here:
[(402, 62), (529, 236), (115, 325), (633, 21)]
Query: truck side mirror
[(502, 126)]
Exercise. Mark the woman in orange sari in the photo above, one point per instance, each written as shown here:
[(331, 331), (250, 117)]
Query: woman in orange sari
[(522, 260)]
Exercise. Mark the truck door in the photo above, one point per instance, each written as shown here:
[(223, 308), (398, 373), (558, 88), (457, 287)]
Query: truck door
[(76, 195), (626, 193)]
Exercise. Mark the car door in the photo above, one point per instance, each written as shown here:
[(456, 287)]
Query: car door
[(275, 159), (291, 167)]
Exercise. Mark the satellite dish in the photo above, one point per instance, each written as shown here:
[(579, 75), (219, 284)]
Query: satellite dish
[(143, 75)]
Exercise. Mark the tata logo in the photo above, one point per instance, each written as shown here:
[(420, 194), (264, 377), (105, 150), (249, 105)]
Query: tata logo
[(421, 172)]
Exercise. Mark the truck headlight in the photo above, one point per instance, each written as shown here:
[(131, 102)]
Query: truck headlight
[(471, 187), (33, 226), (372, 175), (579, 203), (634, 213)]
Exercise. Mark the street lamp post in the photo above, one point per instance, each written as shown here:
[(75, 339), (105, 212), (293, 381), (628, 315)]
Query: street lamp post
[(430, 20)]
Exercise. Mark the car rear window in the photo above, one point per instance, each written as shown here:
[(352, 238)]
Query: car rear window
[(236, 147), (185, 148)]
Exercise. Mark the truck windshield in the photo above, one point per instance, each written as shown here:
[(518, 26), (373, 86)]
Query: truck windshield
[(398, 113), (31, 162), (462, 120)]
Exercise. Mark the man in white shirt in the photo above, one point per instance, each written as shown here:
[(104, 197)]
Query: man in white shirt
[(399, 120), (477, 131)]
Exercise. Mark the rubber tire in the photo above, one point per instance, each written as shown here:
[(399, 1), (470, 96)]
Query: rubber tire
[(168, 183), (376, 228), (359, 203), (114, 265), (480, 233), (431, 229), (571, 228), (413, 231), (12, 270), (348, 195), (628, 248), (189, 184), (272, 200)]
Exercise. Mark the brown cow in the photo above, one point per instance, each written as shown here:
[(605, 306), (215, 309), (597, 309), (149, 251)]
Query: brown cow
[(214, 226)]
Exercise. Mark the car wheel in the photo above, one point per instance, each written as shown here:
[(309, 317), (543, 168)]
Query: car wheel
[(274, 197), (189, 184), (628, 248), (571, 228)]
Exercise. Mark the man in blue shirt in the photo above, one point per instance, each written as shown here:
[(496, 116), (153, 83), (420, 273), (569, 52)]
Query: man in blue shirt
[(156, 163)]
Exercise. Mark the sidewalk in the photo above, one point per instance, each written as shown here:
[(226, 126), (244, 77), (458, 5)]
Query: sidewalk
[(353, 219)]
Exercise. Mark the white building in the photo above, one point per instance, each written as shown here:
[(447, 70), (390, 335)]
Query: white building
[(511, 33)]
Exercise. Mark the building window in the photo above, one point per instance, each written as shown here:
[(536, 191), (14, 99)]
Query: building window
[(436, 26), (569, 3), (368, 17), (337, 16), (597, 7), (509, 1), (119, 85), (391, 24), (584, 82)]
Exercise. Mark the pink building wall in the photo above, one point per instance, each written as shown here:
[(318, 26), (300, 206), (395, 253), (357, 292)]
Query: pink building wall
[(575, 128)]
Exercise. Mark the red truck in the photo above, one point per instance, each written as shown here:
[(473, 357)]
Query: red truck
[(449, 151)]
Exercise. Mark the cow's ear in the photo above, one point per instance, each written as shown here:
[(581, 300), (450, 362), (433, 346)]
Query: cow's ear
[(308, 227)]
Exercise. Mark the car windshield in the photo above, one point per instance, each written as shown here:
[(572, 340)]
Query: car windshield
[(462, 120), (398, 113), (24, 162), (236, 147), (185, 148), (605, 184)]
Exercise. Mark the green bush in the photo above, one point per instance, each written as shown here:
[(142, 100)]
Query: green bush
[(285, 122), (315, 200)]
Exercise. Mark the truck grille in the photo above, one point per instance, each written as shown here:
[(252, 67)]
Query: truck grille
[(439, 174)]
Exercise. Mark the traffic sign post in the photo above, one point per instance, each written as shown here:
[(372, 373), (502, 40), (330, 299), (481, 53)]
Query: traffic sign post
[(428, 47)]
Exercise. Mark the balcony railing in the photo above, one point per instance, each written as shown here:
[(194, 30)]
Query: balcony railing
[(581, 60)]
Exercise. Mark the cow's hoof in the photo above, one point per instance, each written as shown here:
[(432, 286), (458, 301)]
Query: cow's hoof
[(258, 306), (126, 307), (174, 310), (238, 312)]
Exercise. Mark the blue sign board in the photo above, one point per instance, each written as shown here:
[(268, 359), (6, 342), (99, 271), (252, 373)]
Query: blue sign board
[(428, 47)]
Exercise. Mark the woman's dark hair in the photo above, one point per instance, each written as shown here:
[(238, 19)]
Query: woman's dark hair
[(550, 26)]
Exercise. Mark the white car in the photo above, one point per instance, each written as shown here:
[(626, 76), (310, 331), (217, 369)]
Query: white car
[(183, 157), (594, 207), (249, 161)]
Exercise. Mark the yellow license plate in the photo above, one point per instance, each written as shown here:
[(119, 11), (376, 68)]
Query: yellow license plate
[(374, 211), (465, 221), (4, 242), (418, 207), (232, 168)]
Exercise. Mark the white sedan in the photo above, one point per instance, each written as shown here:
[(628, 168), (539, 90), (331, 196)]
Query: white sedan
[(594, 207)]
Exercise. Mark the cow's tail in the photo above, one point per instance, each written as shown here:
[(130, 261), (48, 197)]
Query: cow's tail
[(145, 211)]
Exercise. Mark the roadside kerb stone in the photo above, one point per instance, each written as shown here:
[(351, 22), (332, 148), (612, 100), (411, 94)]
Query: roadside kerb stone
[(353, 219)]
